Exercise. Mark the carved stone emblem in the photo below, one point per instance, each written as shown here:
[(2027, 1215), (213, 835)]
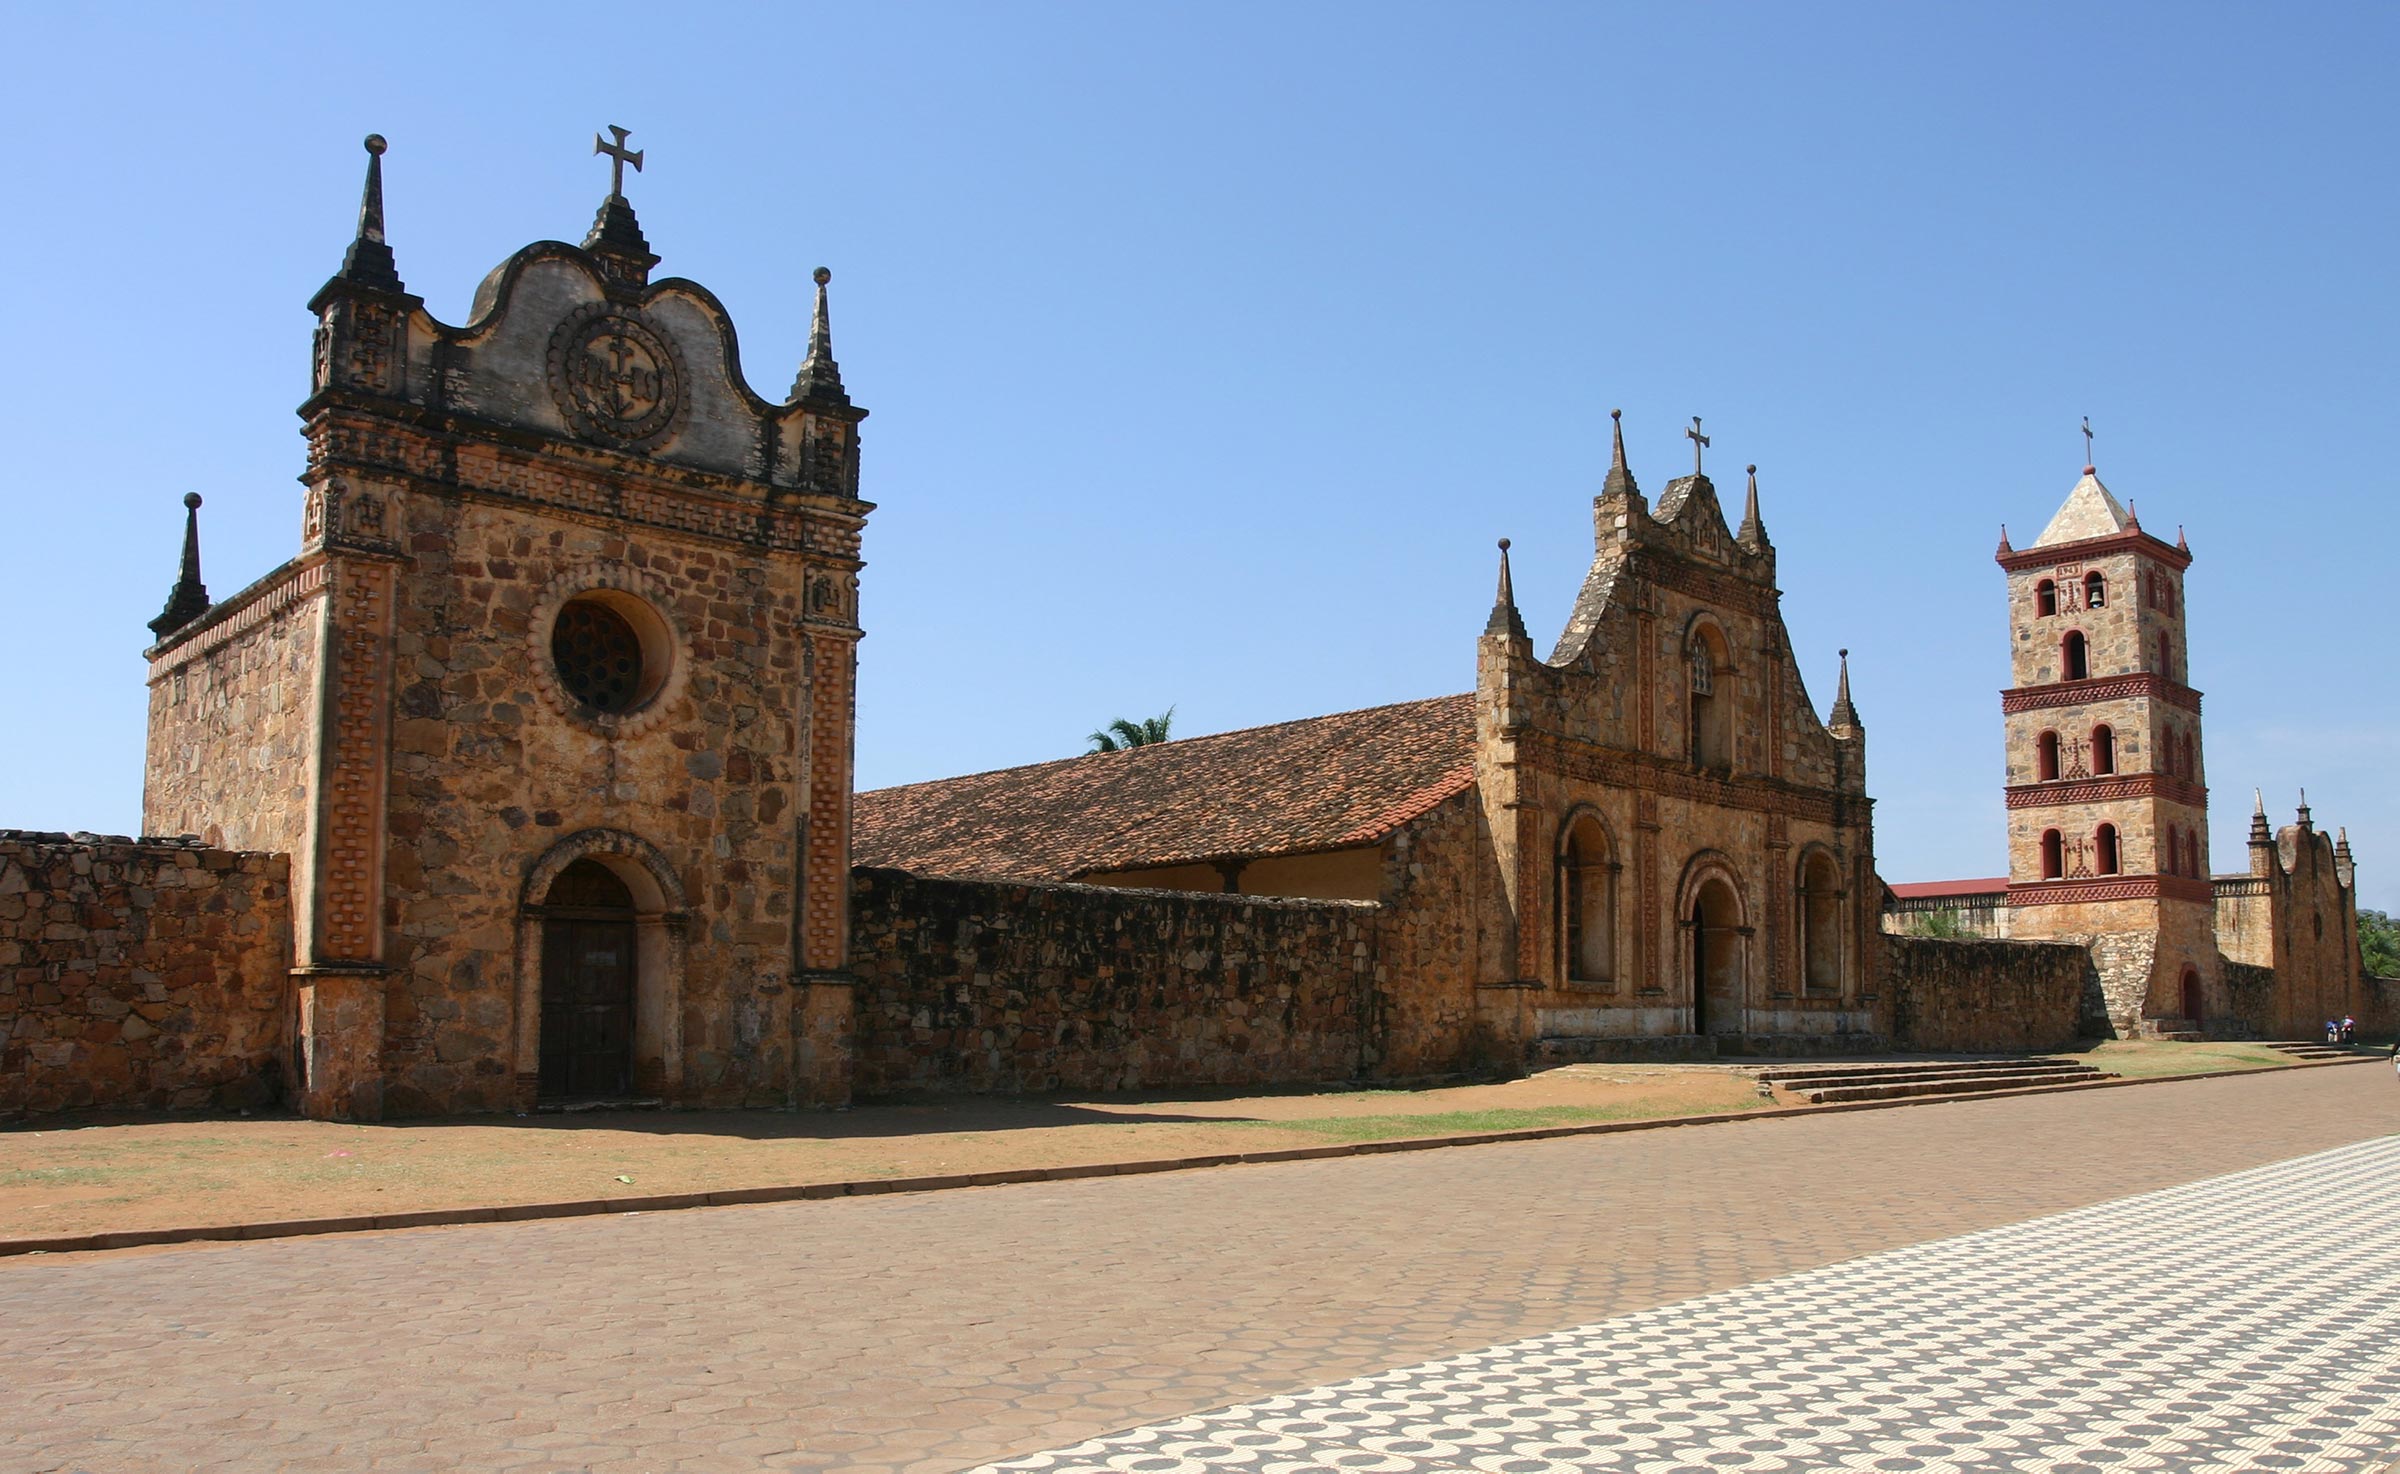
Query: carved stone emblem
[(616, 379)]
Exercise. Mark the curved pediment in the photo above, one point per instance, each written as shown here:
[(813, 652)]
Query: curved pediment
[(557, 348)]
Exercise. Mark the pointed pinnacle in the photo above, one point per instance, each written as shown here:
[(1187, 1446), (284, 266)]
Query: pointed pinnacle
[(1505, 620), (1620, 479), (189, 598), (2259, 833), (369, 261), (2005, 549), (1843, 714), (820, 378), (1753, 530)]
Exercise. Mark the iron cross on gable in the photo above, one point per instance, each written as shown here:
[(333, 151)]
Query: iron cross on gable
[(618, 157), (1699, 443), (2087, 440)]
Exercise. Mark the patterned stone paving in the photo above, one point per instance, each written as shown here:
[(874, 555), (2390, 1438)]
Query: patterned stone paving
[(930, 1333), (2250, 1322)]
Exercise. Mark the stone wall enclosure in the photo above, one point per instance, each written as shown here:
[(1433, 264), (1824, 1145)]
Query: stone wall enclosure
[(145, 973)]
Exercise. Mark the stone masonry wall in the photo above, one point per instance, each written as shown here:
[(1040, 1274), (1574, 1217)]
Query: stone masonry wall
[(2251, 1004), (148, 974), (1977, 995), (975, 985), (232, 712)]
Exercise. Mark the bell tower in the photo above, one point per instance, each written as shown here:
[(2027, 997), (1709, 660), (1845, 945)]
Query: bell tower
[(2107, 804)]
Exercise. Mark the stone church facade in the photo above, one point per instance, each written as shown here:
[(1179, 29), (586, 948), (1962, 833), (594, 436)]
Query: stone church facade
[(552, 705), (528, 779)]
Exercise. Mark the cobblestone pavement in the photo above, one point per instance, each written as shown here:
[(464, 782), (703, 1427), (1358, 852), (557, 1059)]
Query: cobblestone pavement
[(2262, 1333), (944, 1330)]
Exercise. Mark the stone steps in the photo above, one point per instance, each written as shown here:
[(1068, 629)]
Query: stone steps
[(1848, 1074), (2312, 1049), (1947, 1086)]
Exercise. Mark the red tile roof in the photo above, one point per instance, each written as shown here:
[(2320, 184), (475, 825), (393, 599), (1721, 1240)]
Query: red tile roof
[(1915, 890), (1325, 783)]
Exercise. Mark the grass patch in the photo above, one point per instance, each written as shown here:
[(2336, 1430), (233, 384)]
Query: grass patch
[(2151, 1058), (1462, 1123), (56, 1177)]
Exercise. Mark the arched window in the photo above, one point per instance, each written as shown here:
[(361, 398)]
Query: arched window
[(2074, 661), (2196, 865), (2170, 861), (2166, 750), (2166, 649), (1711, 714), (1820, 923), (2191, 757), (2104, 749), (2095, 590), (1587, 903), (2054, 855), (2045, 598), (2167, 594), (2048, 757), (2106, 844)]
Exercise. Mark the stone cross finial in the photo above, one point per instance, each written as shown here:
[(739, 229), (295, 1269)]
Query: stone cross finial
[(618, 157), (1699, 443), (2087, 446)]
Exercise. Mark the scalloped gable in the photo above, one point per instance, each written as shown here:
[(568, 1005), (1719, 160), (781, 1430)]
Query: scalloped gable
[(503, 366), (2089, 511)]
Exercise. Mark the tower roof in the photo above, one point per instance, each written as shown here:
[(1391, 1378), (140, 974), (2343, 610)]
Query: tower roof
[(2089, 511)]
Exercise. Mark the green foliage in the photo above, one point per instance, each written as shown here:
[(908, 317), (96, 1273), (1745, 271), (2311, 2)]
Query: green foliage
[(1944, 925), (1121, 734), (2379, 943)]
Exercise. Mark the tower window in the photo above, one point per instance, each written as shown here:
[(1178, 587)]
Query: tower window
[(1711, 718), (2095, 591), (2045, 598), (2074, 657), (2195, 865), (2166, 666), (2104, 749), (2106, 844), (2048, 757), (2171, 861), (2054, 855)]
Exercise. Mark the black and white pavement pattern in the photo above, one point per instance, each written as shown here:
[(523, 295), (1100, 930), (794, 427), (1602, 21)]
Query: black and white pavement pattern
[(2248, 1322)]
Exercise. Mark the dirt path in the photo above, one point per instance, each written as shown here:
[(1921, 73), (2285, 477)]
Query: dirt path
[(99, 1173)]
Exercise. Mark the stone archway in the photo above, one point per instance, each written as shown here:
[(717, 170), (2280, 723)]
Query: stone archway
[(600, 952), (1716, 945)]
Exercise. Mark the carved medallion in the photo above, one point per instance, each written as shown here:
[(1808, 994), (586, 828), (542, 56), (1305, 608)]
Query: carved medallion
[(617, 379)]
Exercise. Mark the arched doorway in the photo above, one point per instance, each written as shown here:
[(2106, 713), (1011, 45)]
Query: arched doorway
[(2191, 995), (1717, 960), (588, 972)]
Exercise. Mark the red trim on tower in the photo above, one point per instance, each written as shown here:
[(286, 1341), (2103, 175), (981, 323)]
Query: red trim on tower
[(2130, 541), (2099, 688), (2100, 790), (2112, 888)]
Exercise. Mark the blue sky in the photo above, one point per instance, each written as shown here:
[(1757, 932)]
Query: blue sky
[(1211, 347)]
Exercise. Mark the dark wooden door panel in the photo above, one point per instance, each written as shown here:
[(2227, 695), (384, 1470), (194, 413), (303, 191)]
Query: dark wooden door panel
[(587, 1008)]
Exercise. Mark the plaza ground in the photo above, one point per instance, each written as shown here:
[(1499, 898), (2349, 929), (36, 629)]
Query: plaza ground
[(109, 1173), (938, 1331)]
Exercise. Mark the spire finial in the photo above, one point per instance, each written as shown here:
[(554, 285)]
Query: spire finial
[(1753, 530), (369, 262), (2005, 549), (1699, 443), (2133, 517), (616, 234), (1505, 620), (2259, 833), (618, 157), (1843, 714), (2087, 447), (2306, 825), (2180, 545), (189, 599), (820, 378), (1620, 479)]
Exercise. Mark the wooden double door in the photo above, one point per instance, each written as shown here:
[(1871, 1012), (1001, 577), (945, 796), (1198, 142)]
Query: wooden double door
[(587, 987)]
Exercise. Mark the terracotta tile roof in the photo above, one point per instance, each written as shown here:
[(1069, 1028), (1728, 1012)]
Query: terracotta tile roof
[(1324, 783), (1915, 890)]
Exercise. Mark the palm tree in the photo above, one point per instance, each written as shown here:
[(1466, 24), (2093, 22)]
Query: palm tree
[(1121, 734)]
